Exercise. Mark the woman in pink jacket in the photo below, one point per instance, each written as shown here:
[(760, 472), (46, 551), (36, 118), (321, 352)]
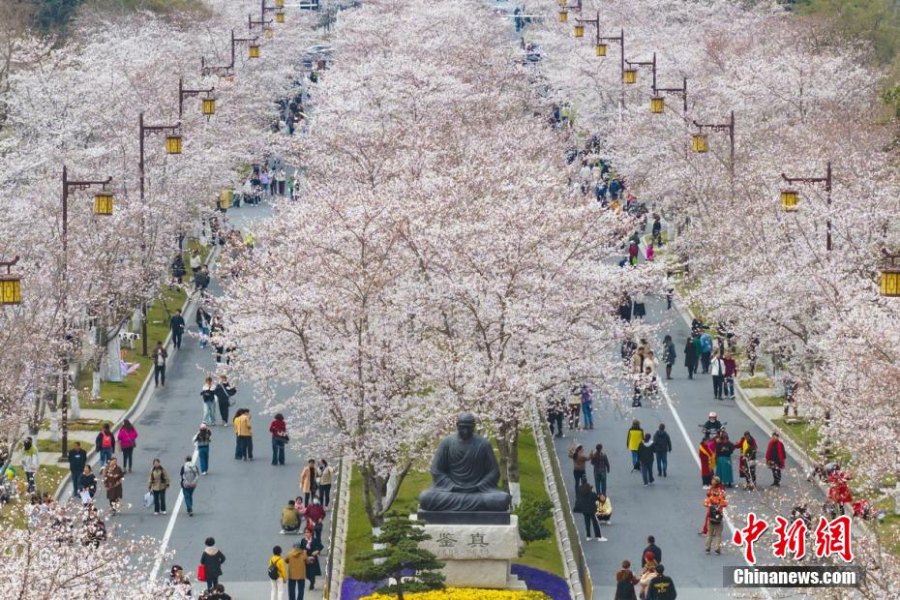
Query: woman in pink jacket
[(127, 436)]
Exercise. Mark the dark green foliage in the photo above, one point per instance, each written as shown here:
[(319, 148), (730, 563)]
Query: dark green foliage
[(401, 557), (533, 514), (53, 15)]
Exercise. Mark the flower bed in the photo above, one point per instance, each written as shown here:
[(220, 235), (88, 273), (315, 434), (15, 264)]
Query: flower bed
[(451, 593)]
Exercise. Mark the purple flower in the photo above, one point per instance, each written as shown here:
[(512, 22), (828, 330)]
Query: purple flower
[(351, 589), (542, 581)]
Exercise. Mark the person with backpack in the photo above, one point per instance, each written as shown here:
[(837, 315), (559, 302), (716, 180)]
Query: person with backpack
[(158, 484), (212, 560), (715, 518), (277, 572), (127, 442), (224, 392), (600, 463), (662, 445), (633, 442), (105, 444), (715, 495), (201, 440), (190, 476), (661, 587)]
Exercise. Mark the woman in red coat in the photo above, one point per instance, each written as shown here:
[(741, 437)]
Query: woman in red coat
[(775, 458)]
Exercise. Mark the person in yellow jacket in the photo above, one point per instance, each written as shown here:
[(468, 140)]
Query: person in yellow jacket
[(277, 571), (243, 431), (604, 509), (296, 563), (635, 437)]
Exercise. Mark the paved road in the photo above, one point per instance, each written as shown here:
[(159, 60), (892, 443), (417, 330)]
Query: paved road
[(239, 503), (672, 509)]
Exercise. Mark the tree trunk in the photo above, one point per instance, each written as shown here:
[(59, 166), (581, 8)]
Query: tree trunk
[(378, 495), (508, 449)]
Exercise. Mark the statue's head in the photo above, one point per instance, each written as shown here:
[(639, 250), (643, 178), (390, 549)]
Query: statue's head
[(465, 425)]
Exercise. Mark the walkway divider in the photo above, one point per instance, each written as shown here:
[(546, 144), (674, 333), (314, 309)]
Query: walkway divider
[(340, 514), (577, 573)]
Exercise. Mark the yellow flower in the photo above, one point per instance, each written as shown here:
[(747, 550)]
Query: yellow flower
[(452, 593)]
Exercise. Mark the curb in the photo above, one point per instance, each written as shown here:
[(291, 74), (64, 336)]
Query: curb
[(142, 400), (338, 551)]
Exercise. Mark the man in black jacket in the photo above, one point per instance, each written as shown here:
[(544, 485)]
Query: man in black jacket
[(662, 445), (652, 548), (661, 587), (645, 458), (224, 391), (176, 324), (77, 460)]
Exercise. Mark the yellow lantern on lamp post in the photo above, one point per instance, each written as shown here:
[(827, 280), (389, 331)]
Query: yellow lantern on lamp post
[(579, 31), (208, 106), (173, 144), (279, 3), (600, 49), (226, 198), (700, 143), (563, 3), (563, 16), (279, 17), (657, 104), (10, 285), (253, 51), (629, 76), (103, 203), (790, 200)]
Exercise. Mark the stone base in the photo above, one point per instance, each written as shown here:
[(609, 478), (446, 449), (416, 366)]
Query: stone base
[(456, 517), (476, 555)]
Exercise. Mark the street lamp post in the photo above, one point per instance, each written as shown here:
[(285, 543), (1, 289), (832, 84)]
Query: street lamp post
[(173, 146), (209, 103), (629, 73), (701, 144), (657, 102), (102, 206), (794, 195), (228, 70)]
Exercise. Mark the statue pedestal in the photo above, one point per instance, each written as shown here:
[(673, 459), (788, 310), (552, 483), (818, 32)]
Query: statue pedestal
[(476, 555)]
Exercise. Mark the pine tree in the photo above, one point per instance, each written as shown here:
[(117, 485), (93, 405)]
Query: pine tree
[(401, 556)]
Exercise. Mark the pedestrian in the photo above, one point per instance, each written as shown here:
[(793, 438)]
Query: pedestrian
[(775, 458), (113, 476), (633, 442), (690, 357), (656, 230), (670, 293), (715, 495), (87, 483), (159, 356), (277, 572), (586, 505), (31, 462), (308, 481), (707, 462), (645, 456), (574, 410), (669, 355), (243, 431), (296, 571), (654, 550), (203, 319), (158, 483), (579, 463), (77, 461), (178, 270), (176, 325), (730, 374), (640, 307), (555, 412), (195, 260), (326, 479), (217, 337), (208, 396), (127, 442), (278, 429), (752, 354), (715, 517), (648, 572), (747, 465), (201, 440), (190, 476), (706, 348), (724, 450), (625, 582), (224, 392), (633, 251), (212, 560), (662, 445), (315, 518), (290, 518), (179, 582), (717, 369), (649, 253), (604, 509), (587, 406), (313, 547), (600, 463), (105, 444), (661, 587)]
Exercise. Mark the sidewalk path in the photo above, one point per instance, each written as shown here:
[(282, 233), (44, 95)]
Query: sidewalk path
[(672, 509), (238, 503)]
